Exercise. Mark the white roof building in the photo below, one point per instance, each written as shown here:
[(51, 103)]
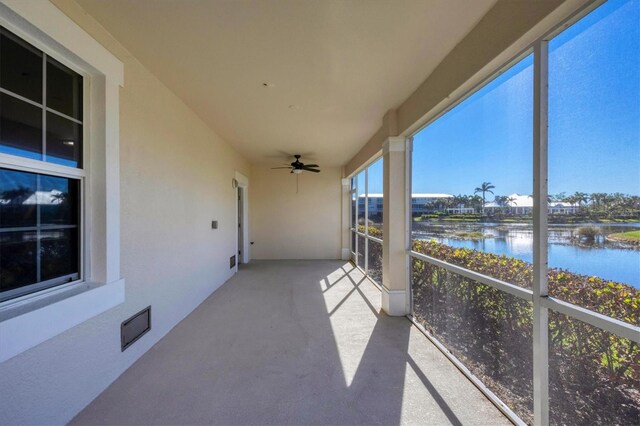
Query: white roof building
[(515, 200), (524, 203), (413, 196)]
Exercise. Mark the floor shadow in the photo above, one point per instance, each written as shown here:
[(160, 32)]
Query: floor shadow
[(284, 342)]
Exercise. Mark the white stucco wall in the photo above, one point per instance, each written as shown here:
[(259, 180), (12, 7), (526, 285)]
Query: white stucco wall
[(290, 225), (175, 178)]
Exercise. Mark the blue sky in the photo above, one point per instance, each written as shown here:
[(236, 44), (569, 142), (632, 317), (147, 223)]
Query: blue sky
[(594, 118)]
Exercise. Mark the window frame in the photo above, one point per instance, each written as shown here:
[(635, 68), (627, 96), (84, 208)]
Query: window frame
[(43, 167), (101, 287)]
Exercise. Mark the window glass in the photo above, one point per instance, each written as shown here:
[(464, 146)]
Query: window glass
[(20, 67), (64, 89), (20, 128), (472, 180), (17, 199), (58, 252), (39, 231), (58, 201), (22, 122), (594, 161), (64, 141), (18, 259)]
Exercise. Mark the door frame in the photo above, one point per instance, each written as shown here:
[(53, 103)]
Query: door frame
[(242, 182)]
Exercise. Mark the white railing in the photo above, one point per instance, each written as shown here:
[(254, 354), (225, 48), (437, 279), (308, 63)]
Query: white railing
[(603, 322), (355, 251)]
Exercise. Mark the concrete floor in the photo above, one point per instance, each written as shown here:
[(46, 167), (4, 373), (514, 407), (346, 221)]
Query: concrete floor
[(293, 342)]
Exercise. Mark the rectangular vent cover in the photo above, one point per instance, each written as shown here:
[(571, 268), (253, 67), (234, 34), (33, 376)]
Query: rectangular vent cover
[(232, 261), (135, 327)]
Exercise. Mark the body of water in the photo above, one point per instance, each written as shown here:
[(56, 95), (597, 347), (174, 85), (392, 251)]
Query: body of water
[(601, 258)]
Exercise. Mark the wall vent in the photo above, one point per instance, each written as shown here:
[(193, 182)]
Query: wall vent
[(135, 327), (232, 261)]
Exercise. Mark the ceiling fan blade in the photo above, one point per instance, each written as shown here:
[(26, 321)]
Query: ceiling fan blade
[(311, 165), (288, 167), (310, 170)]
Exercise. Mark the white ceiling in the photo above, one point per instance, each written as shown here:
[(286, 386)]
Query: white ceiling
[(340, 64)]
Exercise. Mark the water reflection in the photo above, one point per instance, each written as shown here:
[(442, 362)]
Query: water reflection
[(599, 256)]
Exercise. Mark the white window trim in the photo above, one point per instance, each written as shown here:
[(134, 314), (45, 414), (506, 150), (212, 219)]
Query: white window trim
[(32, 319)]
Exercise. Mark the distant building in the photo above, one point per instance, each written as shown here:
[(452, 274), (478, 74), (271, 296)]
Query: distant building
[(420, 203), (461, 210), (523, 204), (563, 208), (516, 204)]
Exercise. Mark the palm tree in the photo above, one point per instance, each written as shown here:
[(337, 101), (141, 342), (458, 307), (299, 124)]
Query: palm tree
[(484, 188), (60, 197), (580, 198), (16, 195)]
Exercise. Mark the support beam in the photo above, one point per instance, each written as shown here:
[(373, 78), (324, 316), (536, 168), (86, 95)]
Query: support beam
[(395, 272)]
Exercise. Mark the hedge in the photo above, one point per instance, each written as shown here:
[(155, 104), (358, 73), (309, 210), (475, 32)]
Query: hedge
[(594, 376)]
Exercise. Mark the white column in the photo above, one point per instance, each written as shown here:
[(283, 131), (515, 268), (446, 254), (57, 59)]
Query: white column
[(395, 267), (346, 212)]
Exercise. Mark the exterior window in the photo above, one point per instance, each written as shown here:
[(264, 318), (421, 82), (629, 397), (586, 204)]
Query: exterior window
[(41, 111)]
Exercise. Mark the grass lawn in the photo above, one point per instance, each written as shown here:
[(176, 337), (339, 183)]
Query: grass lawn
[(471, 235), (631, 236)]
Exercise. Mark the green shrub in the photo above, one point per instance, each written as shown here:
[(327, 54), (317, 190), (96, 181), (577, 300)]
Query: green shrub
[(373, 231), (587, 232), (492, 332)]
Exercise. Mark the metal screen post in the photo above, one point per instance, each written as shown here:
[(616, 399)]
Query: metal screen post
[(366, 220), (355, 224), (540, 253), (408, 205)]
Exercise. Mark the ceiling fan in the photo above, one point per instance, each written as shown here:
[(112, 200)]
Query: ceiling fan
[(298, 167)]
